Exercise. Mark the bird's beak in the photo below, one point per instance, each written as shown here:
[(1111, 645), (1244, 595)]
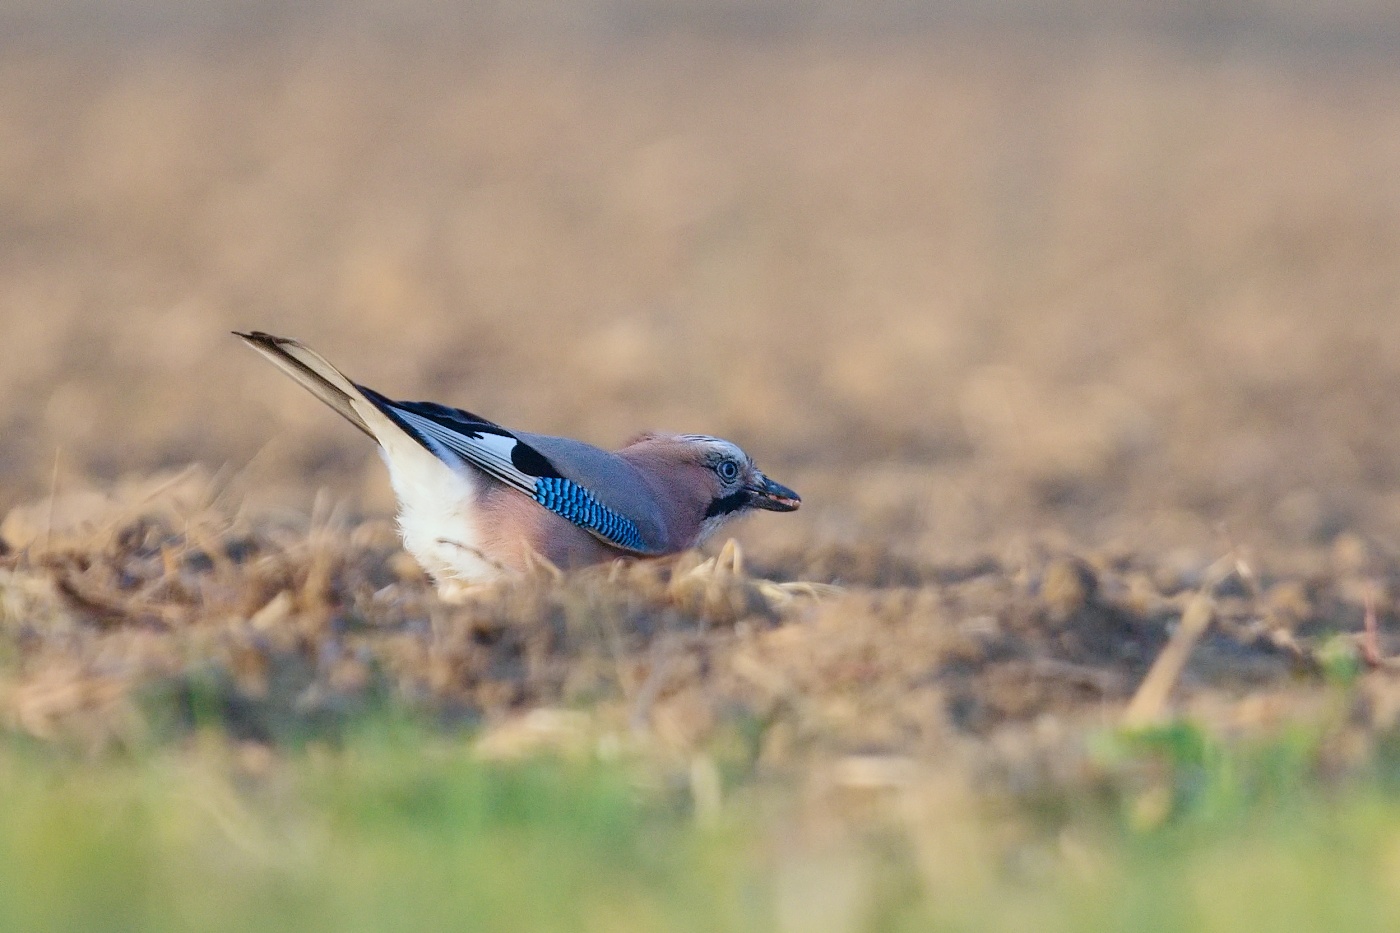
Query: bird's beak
[(775, 497)]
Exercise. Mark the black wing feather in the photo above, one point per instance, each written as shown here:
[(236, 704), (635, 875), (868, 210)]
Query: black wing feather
[(455, 434)]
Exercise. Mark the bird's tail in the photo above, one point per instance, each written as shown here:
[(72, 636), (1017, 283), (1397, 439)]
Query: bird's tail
[(312, 370)]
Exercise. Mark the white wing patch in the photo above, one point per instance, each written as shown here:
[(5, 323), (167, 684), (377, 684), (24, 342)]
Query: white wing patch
[(488, 451)]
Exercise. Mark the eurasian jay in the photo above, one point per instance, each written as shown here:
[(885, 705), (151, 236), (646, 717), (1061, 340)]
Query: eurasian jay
[(477, 500)]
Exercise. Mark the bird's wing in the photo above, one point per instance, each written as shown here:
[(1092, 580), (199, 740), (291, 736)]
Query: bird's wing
[(460, 437)]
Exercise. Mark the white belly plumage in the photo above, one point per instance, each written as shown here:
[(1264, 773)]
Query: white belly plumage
[(438, 515)]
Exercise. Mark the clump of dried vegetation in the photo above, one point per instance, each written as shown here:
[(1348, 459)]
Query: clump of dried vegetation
[(161, 606)]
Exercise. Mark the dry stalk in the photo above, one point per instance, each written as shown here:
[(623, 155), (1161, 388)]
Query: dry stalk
[(1371, 639), (1149, 702)]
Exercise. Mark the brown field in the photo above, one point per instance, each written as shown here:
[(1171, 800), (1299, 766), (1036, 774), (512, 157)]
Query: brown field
[(1052, 340)]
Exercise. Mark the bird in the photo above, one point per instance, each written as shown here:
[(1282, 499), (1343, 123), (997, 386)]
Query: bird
[(478, 502)]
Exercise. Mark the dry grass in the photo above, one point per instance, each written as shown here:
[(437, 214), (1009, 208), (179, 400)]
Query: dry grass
[(1040, 336), (160, 609)]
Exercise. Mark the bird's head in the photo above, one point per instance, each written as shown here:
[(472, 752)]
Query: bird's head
[(713, 480)]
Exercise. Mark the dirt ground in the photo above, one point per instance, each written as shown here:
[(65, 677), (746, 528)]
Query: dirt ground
[(1053, 340)]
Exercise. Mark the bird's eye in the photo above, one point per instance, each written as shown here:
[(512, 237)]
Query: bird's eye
[(728, 470)]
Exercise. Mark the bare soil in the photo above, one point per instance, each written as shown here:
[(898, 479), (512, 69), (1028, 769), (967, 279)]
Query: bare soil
[(1053, 342)]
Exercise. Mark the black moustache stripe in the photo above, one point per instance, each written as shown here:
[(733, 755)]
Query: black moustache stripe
[(730, 503)]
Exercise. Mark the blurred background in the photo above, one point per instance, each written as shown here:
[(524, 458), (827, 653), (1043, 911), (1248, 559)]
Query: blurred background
[(959, 272)]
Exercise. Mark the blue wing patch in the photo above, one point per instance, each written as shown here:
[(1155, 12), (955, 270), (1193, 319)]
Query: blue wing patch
[(573, 502)]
